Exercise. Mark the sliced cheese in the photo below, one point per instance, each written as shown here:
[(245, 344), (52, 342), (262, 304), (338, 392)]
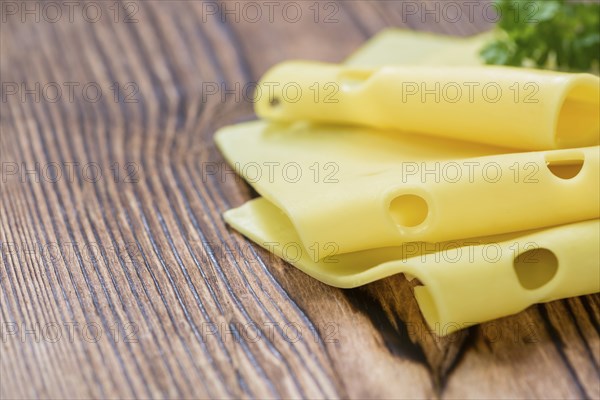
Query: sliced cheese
[(464, 282), (511, 107), (404, 47), (363, 189), (455, 295)]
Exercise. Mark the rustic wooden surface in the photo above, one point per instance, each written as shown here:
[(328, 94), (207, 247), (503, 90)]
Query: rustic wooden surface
[(130, 284)]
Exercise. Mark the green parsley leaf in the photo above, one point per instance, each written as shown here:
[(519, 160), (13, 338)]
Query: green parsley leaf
[(552, 34)]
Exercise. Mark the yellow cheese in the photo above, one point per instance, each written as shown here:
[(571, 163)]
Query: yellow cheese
[(403, 47), (363, 189), (464, 282), (499, 275), (511, 107)]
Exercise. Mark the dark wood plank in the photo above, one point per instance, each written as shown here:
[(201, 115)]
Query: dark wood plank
[(129, 284)]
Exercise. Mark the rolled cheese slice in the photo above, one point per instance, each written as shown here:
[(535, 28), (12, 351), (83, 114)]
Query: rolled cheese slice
[(464, 282), (503, 106), (364, 189)]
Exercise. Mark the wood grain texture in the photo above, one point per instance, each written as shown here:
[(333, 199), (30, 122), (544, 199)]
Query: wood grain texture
[(129, 284)]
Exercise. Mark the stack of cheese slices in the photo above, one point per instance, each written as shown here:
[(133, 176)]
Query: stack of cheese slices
[(481, 182)]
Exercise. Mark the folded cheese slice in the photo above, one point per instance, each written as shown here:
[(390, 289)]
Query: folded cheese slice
[(503, 106), (364, 189), (464, 282)]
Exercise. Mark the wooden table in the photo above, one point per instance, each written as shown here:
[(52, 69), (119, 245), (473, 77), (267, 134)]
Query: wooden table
[(119, 277)]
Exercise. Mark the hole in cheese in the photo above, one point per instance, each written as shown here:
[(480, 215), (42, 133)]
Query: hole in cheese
[(565, 165), (535, 268), (578, 121), (274, 102), (408, 210), (351, 79)]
